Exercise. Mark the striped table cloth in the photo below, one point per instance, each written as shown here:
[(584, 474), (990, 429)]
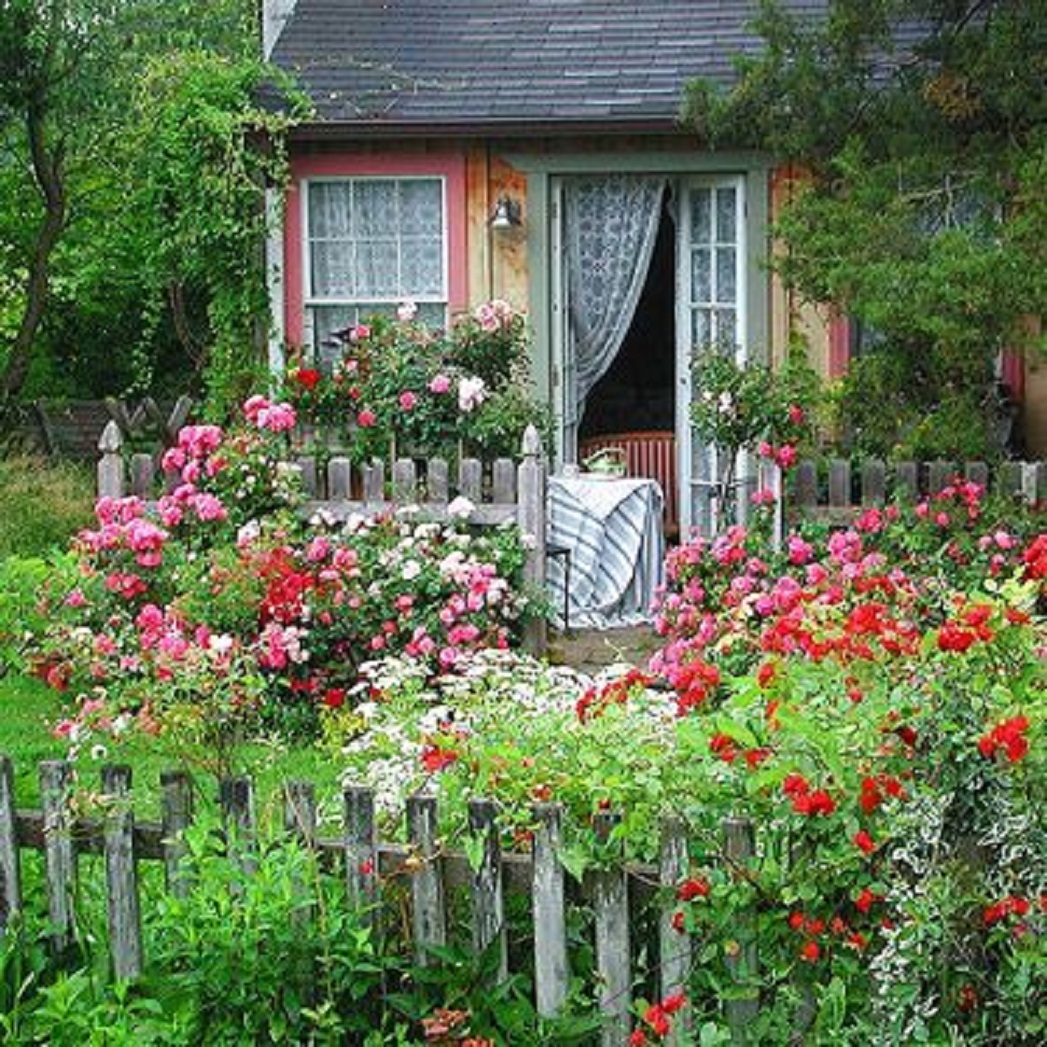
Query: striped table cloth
[(613, 530)]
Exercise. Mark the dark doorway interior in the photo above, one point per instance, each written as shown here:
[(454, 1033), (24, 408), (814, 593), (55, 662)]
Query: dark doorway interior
[(637, 391)]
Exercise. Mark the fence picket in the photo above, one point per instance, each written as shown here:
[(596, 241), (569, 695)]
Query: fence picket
[(176, 807), (236, 798), (427, 887), (486, 887), (674, 944), (361, 850), (374, 482), (939, 475), (405, 481), (10, 864), (874, 482), (550, 918), (611, 904), (503, 481), (121, 875), (339, 479), (840, 483), (59, 855), (438, 481), (739, 847), (470, 479)]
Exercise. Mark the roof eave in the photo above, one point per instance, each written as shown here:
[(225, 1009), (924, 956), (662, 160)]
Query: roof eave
[(511, 127)]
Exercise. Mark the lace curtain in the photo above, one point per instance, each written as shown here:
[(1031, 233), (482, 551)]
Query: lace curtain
[(372, 244), (610, 226)]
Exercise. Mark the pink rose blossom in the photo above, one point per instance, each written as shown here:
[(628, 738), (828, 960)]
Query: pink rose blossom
[(366, 419), (439, 384), (408, 400)]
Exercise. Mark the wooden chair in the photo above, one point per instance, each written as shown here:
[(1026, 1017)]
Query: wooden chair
[(649, 453)]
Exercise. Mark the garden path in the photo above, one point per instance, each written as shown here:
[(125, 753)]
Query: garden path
[(591, 650)]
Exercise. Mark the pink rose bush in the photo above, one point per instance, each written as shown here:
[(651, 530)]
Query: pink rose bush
[(220, 604), (400, 386)]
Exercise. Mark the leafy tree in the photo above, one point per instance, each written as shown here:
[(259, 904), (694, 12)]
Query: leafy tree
[(134, 160), (917, 132)]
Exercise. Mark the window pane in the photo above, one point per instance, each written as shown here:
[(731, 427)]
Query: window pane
[(726, 278), (329, 210), (332, 272), (421, 208), (701, 216), (374, 209), (422, 266), (377, 268), (726, 231)]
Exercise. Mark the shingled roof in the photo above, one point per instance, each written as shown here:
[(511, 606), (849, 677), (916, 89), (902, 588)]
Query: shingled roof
[(412, 64)]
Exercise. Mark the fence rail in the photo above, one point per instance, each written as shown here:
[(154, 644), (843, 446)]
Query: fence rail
[(614, 893), (838, 488)]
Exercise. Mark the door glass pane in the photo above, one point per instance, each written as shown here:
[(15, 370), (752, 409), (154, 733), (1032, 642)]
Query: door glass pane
[(701, 328), (726, 279), (701, 277), (726, 327), (726, 232), (701, 216)]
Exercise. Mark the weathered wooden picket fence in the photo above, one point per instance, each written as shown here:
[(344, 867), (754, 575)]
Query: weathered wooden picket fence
[(839, 489), (502, 491), (614, 892)]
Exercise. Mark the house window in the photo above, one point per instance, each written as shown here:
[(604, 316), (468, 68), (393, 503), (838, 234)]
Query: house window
[(371, 244)]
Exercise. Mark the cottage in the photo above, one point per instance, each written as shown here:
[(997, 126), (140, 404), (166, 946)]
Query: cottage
[(464, 150)]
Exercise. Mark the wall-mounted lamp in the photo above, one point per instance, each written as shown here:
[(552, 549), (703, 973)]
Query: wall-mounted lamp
[(506, 213)]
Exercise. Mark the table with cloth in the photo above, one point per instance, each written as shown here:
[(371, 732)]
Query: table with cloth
[(612, 530)]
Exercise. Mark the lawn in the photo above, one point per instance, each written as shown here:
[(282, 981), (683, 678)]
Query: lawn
[(29, 709)]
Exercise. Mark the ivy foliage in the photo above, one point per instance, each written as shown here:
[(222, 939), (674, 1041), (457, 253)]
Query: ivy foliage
[(916, 133), (135, 155)]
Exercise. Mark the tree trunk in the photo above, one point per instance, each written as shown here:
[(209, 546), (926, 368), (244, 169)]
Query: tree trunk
[(49, 175)]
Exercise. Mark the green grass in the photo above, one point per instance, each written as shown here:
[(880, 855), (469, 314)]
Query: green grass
[(28, 709)]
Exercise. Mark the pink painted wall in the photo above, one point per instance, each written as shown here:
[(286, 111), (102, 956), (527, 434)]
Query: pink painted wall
[(449, 166)]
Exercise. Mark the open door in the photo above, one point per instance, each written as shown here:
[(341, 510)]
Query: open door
[(708, 300), (710, 303)]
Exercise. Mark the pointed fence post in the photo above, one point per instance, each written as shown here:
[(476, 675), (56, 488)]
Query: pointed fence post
[(674, 945), (487, 894), (739, 846), (10, 867), (111, 479), (121, 876), (611, 902), (176, 815), (427, 886), (551, 974), (59, 856), (361, 852), (531, 521)]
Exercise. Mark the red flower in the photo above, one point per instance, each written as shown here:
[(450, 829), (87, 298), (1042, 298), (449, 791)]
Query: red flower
[(1008, 737), (864, 842), (795, 785), (953, 637), (691, 889), (766, 673), (866, 900), (657, 1019), (638, 1038), (679, 922), (673, 1003), (307, 377), (797, 921), (820, 802), (334, 697), (1009, 906), (435, 759), (722, 745), (810, 952)]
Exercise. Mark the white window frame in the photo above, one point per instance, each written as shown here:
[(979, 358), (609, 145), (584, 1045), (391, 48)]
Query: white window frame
[(311, 301)]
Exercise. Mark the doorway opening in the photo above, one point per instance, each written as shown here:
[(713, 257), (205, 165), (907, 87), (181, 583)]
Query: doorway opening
[(638, 391)]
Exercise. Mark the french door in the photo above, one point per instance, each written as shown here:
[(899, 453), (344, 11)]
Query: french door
[(710, 313)]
